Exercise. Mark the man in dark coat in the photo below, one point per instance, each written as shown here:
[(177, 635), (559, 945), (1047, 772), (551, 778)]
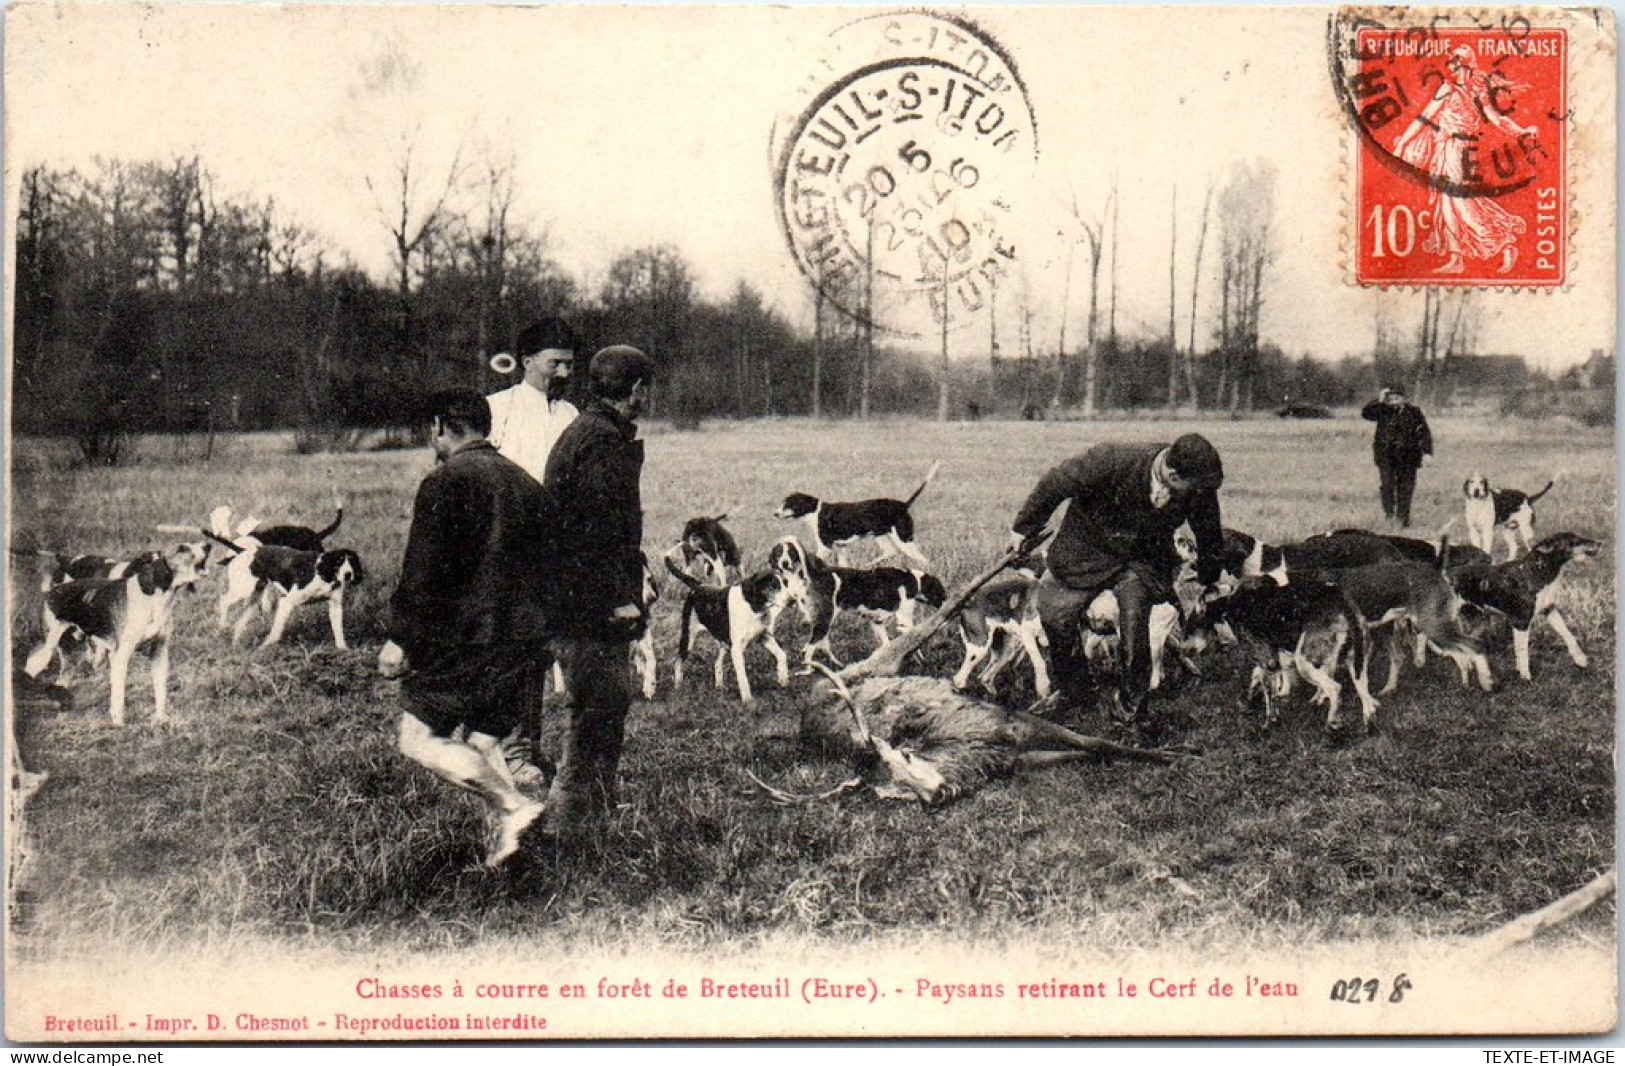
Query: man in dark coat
[(1401, 440), (1118, 535), (466, 629), (595, 585)]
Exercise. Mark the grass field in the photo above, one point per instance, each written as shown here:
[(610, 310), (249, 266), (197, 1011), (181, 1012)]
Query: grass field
[(276, 807)]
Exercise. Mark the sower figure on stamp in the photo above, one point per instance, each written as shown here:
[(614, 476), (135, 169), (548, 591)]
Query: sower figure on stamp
[(466, 628), (595, 586), (1401, 440), (1441, 141), (1118, 534)]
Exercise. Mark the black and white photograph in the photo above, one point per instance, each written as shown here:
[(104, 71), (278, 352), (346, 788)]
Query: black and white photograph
[(596, 523)]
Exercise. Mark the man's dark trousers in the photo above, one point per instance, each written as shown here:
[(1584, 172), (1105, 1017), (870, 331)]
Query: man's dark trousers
[(1064, 613), (597, 676), (1398, 485)]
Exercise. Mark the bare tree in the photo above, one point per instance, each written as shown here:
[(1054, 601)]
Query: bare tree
[(1196, 280), (1432, 360), (1061, 359), (1173, 338), (1246, 219), (943, 368), (410, 175), (1093, 233)]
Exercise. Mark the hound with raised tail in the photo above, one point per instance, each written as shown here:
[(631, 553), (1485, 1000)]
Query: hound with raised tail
[(299, 538), (1507, 510), (736, 616), (116, 616), (1525, 591), (835, 526), (881, 594)]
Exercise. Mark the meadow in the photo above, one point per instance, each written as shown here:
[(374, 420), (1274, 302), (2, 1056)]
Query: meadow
[(276, 808)]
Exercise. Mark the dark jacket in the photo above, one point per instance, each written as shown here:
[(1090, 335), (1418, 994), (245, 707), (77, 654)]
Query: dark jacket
[(470, 572), (1111, 524), (595, 564), (1402, 436)]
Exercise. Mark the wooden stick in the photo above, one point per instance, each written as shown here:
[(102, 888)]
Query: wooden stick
[(1575, 903), (887, 660)]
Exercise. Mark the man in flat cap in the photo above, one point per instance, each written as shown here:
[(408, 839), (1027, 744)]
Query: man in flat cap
[(1127, 500), (595, 591), (1401, 440), (526, 420)]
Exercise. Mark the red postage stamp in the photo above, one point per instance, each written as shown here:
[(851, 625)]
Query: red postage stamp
[(1461, 169)]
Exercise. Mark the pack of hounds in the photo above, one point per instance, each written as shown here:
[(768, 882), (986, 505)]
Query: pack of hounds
[(1311, 609)]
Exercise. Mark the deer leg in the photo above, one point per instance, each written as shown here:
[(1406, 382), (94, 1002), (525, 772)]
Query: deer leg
[(1042, 729)]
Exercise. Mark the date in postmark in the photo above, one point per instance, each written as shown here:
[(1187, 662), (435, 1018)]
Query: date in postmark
[(1461, 160), (895, 178)]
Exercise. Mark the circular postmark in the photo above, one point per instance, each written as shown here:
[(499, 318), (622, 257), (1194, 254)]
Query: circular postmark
[(894, 180), (1446, 100), (1461, 137)]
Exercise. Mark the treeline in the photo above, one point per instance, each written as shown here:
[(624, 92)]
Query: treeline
[(147, 299)]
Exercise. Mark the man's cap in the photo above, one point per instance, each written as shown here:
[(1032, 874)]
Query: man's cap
[(464, 405), (1395, 390), (614, 370), (548, 334), (1197, 461)]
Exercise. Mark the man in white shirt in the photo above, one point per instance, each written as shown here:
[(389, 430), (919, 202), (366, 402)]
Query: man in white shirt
[(527, 418)]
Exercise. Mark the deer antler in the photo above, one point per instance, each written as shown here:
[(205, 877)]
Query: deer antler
[(845, 693), (790, 799)]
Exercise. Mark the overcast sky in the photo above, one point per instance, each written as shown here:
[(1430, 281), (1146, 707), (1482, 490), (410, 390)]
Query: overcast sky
[(631, 126)]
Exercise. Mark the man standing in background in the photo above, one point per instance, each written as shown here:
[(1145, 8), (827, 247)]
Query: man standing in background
[(526, 420), (1401, 440)]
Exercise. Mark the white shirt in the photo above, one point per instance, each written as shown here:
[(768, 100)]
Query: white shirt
[(525, 425)]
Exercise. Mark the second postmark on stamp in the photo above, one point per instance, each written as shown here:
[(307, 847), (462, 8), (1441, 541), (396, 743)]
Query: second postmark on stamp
[(1461, 164)]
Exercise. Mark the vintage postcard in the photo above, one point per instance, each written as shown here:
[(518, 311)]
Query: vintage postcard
[(1125, 498)]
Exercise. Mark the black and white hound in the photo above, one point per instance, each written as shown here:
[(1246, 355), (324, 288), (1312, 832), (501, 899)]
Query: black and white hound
[(1525, 591), (1487, 510), (1244, 555), (88, 567), (999, 620), (709, 551), (736, 616), (1309, 628), (882, 595), (116, 616), (835, 526), (643, 649), (276, 580)]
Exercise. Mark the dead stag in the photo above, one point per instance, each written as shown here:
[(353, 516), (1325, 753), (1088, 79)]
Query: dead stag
[(930, 742)]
